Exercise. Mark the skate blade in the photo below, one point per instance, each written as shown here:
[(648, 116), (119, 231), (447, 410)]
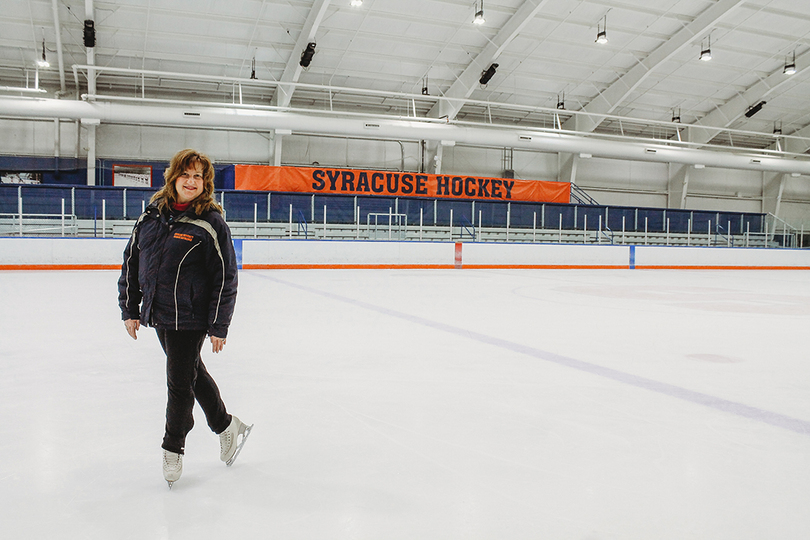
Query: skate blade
[(241, 444)]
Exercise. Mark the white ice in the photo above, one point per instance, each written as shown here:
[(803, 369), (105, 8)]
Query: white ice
[(421, 404)]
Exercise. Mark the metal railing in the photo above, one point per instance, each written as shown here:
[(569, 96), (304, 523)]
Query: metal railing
[(38, 225), (151, 87), (722, 233), (375, 233), (108, 211), (468, 228), (578, 195), (782, 234)]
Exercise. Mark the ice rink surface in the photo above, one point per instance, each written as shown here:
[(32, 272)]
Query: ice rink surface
[(421, 404)]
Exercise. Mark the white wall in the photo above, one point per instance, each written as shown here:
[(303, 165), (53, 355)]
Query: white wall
[(303, 151), (147, 142), (624, 183), (338, 253), (98, 252), (36, 138), (697, 257)]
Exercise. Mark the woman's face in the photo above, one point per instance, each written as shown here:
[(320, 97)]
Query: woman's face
[(189, 185)]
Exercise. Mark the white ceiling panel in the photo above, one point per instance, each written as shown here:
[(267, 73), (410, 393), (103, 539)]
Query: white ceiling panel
[(392, 45)]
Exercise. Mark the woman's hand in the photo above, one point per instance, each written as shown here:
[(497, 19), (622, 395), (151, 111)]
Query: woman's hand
[(132, 326), (217, 343)]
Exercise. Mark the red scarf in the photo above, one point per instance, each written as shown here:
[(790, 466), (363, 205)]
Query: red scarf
[(181, 207)]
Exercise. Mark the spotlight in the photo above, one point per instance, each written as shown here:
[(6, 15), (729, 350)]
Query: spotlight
[(44, 62), (479, 13), (306, 56), (777, 128), (601, 34), (425, 91), (356, 3), (253, 68), (790, 67), (676, 117), (487, 74), (754, 109), (561, 102), (706, 52)]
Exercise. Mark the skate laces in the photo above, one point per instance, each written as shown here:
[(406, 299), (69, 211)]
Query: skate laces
[(225, 440), (228, 437), (171, 461)]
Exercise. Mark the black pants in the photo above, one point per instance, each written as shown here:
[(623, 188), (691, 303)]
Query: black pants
[(188, 380)]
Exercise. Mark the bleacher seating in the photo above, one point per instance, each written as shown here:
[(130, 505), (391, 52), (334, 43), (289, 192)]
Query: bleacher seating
[(110, 212)]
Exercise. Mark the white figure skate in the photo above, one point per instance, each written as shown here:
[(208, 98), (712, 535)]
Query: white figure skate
[(230, 444), (172, 467)]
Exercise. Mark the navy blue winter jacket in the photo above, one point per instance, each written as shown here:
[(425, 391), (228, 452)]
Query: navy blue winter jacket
[(179, 272)]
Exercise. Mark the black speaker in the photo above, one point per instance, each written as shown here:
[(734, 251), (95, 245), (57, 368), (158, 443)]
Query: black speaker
[(487, 74), (754, 109), (306, 56), (89, 34)]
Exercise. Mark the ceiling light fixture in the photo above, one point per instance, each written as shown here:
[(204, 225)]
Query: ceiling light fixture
[(425, 91), (44, 62), (790, 67), (306, 56), (356, 3), (479, 13), (487, 74), (676, 116), (777, 128), (561, 102), (601, 32), (253, 68), (706, 52)]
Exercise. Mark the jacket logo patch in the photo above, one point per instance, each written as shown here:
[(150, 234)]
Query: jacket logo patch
[(181, 236)]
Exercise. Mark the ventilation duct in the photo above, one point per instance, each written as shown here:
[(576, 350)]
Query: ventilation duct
[(392, 129)]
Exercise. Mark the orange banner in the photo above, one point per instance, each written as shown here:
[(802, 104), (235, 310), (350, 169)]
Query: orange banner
[(396, 184)]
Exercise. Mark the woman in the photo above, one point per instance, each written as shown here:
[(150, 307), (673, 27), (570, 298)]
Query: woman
[(179, 276)]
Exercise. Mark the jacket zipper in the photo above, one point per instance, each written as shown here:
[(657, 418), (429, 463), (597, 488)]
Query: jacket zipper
[(176, 281)]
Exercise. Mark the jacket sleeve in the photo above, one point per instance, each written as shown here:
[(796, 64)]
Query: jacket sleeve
[(221, 261), (129, 289)]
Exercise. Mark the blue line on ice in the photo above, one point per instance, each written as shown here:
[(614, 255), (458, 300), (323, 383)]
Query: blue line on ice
[(732, 407)]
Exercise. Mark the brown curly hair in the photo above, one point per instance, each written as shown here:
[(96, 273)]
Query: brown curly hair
[(182, 161)]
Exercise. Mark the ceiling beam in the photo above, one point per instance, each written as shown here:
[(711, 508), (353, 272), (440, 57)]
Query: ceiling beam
[(292, 71), (799, 141), (613, 96), (727, 113), (466, 83)]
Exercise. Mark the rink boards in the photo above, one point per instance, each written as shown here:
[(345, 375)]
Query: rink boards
[(106, 253)]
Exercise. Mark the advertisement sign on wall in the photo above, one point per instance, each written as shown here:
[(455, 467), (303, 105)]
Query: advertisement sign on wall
[(396, 184)]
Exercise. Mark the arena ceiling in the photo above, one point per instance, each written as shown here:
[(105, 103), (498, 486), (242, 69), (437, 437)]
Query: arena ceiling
[(396, 57)]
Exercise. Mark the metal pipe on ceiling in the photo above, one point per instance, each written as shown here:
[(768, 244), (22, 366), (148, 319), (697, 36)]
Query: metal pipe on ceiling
[(489, 105), (396, 129), (22, 89), (90, 122), (58, 29), (91, 56)]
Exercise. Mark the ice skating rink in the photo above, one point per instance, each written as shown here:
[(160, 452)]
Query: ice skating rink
[(422, 404)]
